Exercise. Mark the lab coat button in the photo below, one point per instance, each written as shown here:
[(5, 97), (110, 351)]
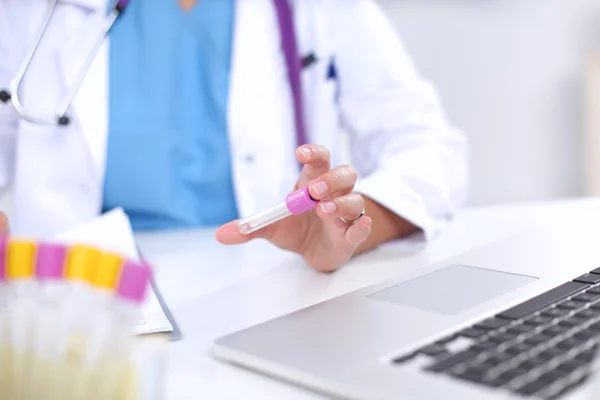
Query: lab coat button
[(84, 187), (249, 158)]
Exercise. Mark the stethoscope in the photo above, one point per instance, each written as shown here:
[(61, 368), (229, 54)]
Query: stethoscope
[(289, 48), (11, 96)]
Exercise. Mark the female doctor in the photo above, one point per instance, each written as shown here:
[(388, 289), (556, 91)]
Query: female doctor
[(190, 113)]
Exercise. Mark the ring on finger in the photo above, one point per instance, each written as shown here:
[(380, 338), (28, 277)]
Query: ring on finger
[(349, 221)]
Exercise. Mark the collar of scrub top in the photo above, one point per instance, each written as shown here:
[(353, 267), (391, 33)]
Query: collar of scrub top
[(288, 41)]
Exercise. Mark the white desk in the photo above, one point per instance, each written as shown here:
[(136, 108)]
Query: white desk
[(214, 290)]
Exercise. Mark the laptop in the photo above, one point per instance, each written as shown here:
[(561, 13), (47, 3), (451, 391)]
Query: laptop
[(518, 318)]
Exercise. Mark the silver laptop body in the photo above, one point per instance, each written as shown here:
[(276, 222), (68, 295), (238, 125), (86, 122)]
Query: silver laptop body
[(390, 341)]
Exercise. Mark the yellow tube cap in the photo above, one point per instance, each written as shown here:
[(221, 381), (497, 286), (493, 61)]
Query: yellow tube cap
[(108, 271), (81, 263), (20, 259)]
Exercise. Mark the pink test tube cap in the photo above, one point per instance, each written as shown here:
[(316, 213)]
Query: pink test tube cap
[(300, 201), (50, 261), (134, 281), (2, 259)]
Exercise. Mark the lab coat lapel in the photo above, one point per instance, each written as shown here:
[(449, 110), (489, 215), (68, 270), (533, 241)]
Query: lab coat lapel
[(260, 121), (89, 111)]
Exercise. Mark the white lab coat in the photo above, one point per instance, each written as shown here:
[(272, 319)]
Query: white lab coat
[(407, 155)]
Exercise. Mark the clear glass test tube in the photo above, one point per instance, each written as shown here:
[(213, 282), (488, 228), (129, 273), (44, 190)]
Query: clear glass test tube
[(295, 203)]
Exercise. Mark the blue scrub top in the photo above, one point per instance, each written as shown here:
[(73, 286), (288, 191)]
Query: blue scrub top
[(168, 161)]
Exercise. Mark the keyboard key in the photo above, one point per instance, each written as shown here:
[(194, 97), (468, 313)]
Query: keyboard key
[(445, 340), (568, 323), (543, 300), (501, 337), (497, 358), (587, 355), (483, 346), (585, 334), (551, 376), (551, 353), (537, 339), (519, 348), (555, 312), (586, 314), (571, 365), (493, 323), (531, 388), (472, 333), (569, 343), (596, 271), (433, 350), (554, 330), (507, 376), (595, 327), (474, 374), (538, 320), (588, 278), (403, 359), (595, 290), (452, 360), (520, 328), (586, 297), (569, 305), (532, 363)]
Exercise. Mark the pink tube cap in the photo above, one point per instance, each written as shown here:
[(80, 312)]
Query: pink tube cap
[(50, 261), (2, 259), (134, 282), (300, 201)]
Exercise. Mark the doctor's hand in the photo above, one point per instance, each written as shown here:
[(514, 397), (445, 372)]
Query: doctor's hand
[(3, 224), (321, 236)]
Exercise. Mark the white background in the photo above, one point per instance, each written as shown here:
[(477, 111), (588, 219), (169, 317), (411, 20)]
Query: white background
[(511, 74)]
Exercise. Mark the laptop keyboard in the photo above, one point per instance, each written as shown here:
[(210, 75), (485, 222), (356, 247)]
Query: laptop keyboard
[(541, 348)]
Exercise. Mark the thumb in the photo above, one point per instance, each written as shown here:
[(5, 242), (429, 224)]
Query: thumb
[(229, 233)]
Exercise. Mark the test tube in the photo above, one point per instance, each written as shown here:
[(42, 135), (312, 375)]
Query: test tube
[(23, 296), (295, 203), (116, 370), (52, 292), (53, 289), (4, 324)]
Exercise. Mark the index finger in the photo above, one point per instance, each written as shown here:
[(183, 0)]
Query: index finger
[(316, 160)]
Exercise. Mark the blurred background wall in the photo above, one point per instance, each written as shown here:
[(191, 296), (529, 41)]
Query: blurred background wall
[(511, 74)]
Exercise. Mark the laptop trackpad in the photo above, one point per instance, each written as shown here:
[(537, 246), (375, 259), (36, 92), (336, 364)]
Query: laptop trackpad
[(452, 289)]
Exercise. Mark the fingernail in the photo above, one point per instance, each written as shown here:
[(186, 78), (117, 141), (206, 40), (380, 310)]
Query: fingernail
[(328, 207), (306, 151), (319, 187)]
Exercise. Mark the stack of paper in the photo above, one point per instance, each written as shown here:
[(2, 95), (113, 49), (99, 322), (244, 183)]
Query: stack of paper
[(112, 232)]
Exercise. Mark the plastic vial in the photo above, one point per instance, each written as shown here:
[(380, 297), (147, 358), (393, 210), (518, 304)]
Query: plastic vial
[(295, 203), (115, 366)]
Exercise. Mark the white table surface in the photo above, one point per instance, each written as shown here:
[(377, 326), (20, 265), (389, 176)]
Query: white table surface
[(213, 290)]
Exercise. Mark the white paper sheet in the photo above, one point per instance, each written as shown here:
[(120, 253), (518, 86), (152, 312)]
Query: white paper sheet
[(112, 232)]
